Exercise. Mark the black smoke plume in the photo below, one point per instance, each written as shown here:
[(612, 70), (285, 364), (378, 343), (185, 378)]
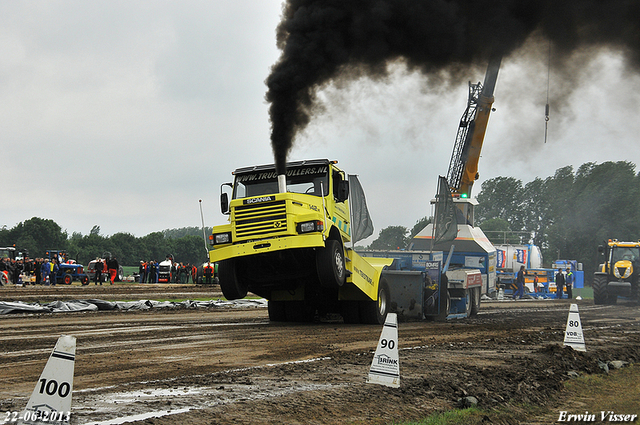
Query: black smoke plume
[(322, 40)]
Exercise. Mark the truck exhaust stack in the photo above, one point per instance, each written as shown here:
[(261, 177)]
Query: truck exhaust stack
[(282, 183)]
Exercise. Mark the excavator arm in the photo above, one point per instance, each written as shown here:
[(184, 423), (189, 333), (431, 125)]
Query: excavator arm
[(463, 168)]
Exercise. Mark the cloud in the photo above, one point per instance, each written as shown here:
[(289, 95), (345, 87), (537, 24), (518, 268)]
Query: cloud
[(125, 114)]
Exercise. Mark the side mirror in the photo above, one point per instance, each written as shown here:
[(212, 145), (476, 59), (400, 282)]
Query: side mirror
[(224, 203), (343, 191), (601, 249), (224, 198)]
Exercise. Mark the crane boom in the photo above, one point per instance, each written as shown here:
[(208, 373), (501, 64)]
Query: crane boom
[(463, 168)]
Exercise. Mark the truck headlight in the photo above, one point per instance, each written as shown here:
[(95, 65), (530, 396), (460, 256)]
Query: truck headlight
[(310, 226), (222, 238)]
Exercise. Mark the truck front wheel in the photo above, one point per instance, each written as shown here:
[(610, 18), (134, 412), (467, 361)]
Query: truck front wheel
[(375, 312), (330, 264), (600, 295), (231, 287)]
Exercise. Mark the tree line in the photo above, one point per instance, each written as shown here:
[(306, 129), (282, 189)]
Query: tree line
[(567, 215), (37, 235)]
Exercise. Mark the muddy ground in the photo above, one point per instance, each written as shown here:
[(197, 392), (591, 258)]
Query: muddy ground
[(231, 365)]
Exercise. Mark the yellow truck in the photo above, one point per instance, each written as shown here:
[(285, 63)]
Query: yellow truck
[(286, 240), (289, 240)]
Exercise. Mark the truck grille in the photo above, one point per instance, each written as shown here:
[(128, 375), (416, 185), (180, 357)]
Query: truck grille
[(260, 220)]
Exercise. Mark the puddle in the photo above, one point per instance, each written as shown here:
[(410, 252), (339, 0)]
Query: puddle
[(139, 417), (118, 407), (148, 394)]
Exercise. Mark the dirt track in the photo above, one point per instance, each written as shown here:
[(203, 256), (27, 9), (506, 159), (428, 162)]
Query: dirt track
[(223, 365)]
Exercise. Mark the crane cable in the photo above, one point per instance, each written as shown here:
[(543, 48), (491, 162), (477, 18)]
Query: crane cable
[(546, 108)]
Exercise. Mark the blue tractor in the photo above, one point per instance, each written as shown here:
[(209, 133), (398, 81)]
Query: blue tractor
[(68, 270)]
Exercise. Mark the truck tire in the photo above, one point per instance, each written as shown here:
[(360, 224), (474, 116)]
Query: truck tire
[(444, 299), (375, 312), (468, 301), (475, 301), (634, 293), (200, 276), (350, 311), (600, 295), (445, 305), (330, 264), (277, 312), (298, 311), (231, 287), (67, 279), (120, 274)]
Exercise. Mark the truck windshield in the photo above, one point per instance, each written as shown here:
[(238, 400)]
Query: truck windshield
[(311, 180), (624, 253)]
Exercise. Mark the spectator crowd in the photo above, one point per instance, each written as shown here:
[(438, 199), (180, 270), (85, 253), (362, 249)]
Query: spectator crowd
[(149, 272), (13, 271), (42, 270)]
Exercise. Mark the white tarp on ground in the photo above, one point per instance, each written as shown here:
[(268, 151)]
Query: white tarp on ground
[(7, 307)]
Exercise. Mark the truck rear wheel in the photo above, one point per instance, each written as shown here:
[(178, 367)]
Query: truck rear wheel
[(600, 295), (468, 294), (634, 292), (375, 312), (298, 311), (350, 311), (231, 287), (330, 264), (475, 301), (277, 311), (445, 307)]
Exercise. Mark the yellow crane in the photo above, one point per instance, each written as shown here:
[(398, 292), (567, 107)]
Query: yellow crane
[(463, 168)]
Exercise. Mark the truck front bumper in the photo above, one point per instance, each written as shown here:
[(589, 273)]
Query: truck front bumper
[(243, 249)]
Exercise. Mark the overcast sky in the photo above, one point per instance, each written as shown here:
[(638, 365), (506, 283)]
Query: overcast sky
[(124, 114)]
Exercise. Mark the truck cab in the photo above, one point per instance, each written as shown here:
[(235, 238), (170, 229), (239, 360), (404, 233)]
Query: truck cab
[(286, 241), (275, 239)]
